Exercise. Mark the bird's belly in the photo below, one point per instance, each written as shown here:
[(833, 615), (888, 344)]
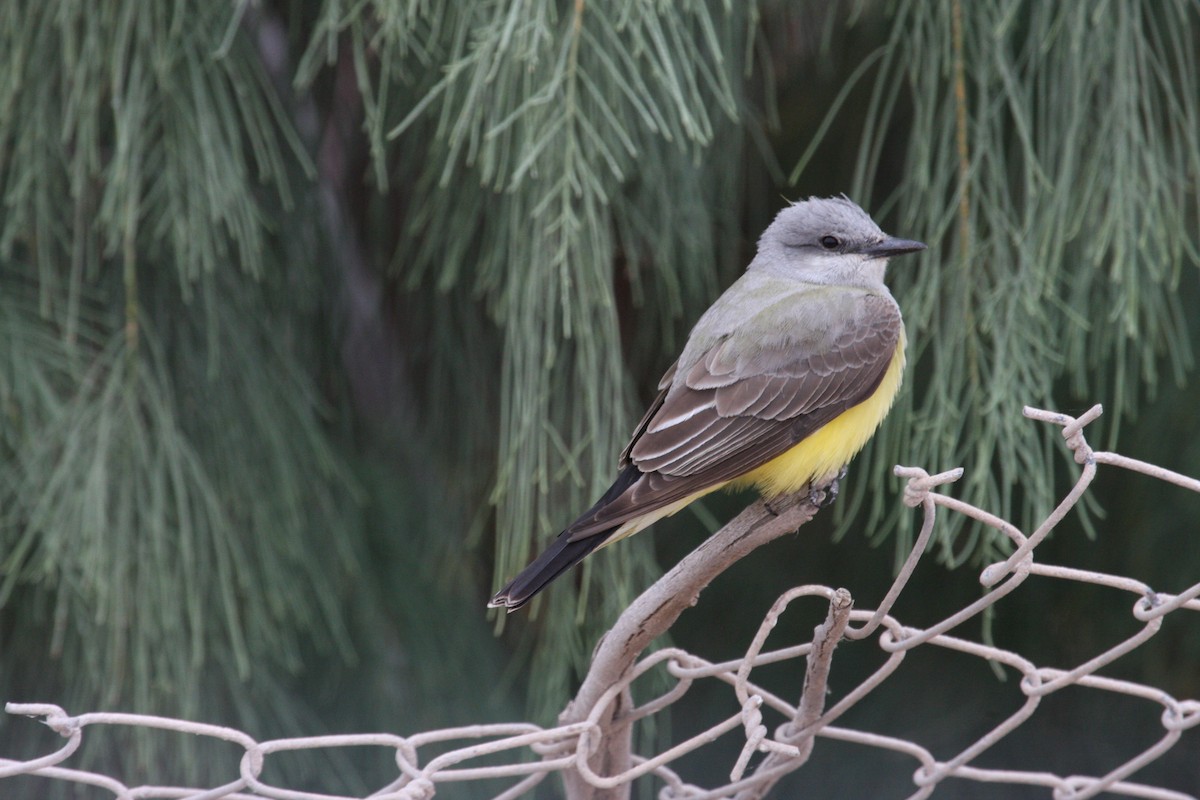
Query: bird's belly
[(824, 452)]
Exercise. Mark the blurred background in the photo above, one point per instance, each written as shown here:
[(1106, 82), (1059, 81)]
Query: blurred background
[(319, 318)]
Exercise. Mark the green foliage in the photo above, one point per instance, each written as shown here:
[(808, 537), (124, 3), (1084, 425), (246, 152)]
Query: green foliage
[(542, 143), (132, 130), (119, 505), (1052, 156), (167, 482), (553, 191)]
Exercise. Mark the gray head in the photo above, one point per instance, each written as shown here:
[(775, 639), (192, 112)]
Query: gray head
[(828, 240)]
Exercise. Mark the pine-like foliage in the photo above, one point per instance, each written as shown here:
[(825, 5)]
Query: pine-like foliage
[(557, 155), (1052, 157), (560, 150), (549, 192), (167, 485)]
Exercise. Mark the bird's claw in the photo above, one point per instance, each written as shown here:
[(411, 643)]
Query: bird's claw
[(823, 496)]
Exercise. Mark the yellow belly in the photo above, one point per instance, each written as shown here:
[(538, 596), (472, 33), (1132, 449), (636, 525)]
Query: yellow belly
[(820, 456), (830, 448)]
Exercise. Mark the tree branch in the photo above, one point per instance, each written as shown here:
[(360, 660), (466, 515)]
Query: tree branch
[(652, 614)]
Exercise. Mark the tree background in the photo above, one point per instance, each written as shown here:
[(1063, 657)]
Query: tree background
[(320, 316)]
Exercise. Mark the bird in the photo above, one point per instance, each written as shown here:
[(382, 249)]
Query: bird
[(781, 382)]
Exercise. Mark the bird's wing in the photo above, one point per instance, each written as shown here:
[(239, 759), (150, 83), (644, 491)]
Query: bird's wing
[(743, 403), (664, 385)]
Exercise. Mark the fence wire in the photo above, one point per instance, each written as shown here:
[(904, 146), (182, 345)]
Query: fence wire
[(530, 753)]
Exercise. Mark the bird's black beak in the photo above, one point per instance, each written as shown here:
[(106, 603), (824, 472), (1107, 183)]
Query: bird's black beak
[(891, 246)]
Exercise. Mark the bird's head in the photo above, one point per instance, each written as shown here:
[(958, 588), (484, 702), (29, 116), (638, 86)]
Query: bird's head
[(828, 240)]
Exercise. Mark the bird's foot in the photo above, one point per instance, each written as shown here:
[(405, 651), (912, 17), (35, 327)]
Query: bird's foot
[(823, 496)]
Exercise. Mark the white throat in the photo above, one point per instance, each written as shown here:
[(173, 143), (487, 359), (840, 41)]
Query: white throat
[(833, 269)]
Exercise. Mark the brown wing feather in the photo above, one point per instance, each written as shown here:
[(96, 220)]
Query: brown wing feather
[(664, 384), (728, 417)]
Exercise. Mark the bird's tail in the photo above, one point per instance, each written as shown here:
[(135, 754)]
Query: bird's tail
[(593, 529), (560, 556)]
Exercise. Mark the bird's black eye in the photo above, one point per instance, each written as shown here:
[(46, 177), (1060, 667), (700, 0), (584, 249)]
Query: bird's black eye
[(830, 242)]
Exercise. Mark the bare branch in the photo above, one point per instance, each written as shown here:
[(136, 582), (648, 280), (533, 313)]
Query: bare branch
[(652, 614)]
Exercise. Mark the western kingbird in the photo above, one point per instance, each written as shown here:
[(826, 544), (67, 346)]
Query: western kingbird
[(781, 382)]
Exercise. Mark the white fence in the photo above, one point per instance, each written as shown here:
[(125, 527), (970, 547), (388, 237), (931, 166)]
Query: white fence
[(592, 745)]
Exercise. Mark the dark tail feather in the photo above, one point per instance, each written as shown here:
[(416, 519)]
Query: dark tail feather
[(563, 553), (560, 556)]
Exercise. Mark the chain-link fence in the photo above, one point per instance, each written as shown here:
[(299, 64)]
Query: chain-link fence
[(591, 747)]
